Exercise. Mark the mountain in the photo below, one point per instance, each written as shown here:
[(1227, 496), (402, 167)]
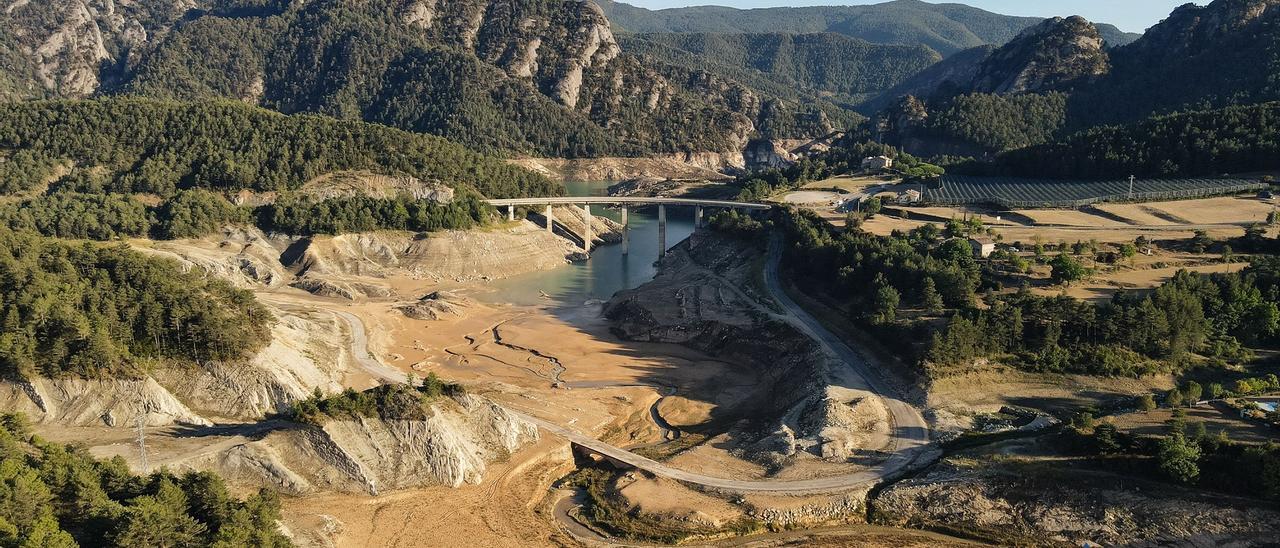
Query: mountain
[(1056, 55), (1058, 78), (947, 28), (823, 64), (68, 48), (1224, 53), (1010, 98), (538, 77)]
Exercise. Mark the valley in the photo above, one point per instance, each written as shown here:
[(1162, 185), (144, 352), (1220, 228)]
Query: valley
[(327, 273)]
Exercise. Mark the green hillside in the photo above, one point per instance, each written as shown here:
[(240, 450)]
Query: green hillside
[(824, 63), (946, 28)]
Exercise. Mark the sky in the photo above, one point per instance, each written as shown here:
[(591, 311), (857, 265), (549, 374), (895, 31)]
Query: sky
[(1129, 15)]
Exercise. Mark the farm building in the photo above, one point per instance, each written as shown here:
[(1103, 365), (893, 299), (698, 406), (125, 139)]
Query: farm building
[(876, 163), (982, 246), (909, 197)]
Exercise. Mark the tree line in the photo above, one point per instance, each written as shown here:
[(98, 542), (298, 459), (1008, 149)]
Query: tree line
[(95, 311), (54, 495), (198, 213)]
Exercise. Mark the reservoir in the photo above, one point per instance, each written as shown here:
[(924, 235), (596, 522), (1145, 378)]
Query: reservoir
[(608, 270)]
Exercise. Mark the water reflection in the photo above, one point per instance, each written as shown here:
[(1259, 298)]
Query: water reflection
[(608, 271)]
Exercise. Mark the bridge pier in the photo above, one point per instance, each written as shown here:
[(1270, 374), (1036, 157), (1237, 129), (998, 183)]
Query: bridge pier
[(662, 231), (697, 217), (626, 233), (511, 213), (550, 223), (586, 231)]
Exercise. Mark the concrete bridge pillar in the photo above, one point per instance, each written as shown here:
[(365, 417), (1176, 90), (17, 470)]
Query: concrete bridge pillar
[(626, 233), (586, 231), (550, 223), (662, 231), (511, 213), (697, 217)]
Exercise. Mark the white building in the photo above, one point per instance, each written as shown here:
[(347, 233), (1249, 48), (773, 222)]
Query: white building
[(909, 197), (982, 246), (876, 163)]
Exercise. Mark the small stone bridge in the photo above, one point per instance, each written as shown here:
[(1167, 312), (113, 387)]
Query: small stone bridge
[(623, 202)]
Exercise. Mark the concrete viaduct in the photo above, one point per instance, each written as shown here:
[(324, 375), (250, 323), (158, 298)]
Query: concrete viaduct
[(623, 202)]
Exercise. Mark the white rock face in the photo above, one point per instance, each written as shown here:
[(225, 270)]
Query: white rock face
[(67, 60), (304, 354), (420, 13), (453, 447), (79, 402)]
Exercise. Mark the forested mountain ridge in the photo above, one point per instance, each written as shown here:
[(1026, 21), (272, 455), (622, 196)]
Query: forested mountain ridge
[(538, 77), (822, 64), (1009, 99), (1058, 78), (1225, 53), (947, 28), (128, 145)]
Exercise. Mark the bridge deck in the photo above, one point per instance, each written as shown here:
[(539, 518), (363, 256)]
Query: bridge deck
[(621, 200)]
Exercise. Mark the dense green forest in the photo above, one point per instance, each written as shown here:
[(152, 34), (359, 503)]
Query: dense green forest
[(124, 145), (364, 214), (1235, 139), (996, 122), (1177, 66), (58, 496), (93, 311), (790, 63), (198, 213)]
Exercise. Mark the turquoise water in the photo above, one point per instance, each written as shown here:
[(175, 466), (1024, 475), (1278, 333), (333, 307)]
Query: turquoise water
[(608, 270)]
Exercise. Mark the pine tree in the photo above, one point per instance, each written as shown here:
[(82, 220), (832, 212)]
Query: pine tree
[(930, 298)]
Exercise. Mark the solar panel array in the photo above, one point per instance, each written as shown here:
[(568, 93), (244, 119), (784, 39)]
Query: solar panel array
[(1018, 192)]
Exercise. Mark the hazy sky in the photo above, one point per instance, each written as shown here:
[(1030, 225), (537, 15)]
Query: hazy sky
[(1130, 15)]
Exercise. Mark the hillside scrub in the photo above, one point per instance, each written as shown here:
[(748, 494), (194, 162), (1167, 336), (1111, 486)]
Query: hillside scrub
[(388, 402), (94, 311), (54, 495)]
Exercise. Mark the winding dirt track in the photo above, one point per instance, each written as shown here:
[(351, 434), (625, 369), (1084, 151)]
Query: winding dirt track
[(911, 432)]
